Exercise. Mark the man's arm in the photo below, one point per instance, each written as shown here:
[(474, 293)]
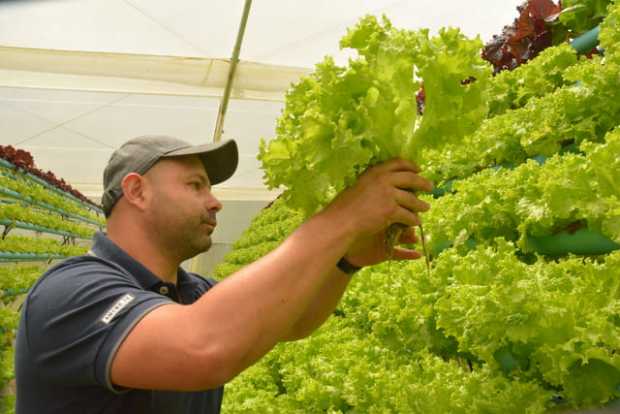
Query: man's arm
[(322, 306), (206, 344), (327, 300)]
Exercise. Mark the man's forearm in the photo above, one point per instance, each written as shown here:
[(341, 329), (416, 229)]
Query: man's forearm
[(259, 305), (321, 307)]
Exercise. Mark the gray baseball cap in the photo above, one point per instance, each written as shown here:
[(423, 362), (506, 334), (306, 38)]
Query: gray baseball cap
[(140, 154)]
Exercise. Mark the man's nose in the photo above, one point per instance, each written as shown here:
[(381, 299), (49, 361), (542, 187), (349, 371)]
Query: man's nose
[(213, 203)]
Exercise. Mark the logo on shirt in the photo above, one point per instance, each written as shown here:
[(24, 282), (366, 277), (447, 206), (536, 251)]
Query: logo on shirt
[(118, 306)]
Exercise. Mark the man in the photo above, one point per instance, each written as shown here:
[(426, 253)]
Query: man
[(124, 329)]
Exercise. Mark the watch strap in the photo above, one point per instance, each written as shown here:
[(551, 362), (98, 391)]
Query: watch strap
[(346, 266)]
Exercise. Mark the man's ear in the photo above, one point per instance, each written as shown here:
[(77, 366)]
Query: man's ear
[(135, 190)]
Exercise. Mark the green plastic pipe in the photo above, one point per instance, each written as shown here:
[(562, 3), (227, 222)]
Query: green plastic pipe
[(587, 41), (28, 257), (40, 229), (582, 242)]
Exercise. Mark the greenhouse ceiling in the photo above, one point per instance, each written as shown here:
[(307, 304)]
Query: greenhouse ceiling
[(79, 77)]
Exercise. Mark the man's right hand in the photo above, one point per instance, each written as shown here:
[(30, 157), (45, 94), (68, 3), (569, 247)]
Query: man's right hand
[(382, 196)]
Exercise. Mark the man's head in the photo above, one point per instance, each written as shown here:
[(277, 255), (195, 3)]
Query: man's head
[(140, 154), (165, 184)]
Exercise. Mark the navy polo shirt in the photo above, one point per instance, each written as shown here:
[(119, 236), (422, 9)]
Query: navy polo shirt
[(74, 320)]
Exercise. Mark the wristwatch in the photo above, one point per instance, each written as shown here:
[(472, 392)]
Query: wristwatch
[(346, 266)]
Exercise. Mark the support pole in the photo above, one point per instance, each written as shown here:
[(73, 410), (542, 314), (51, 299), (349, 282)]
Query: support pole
[(221, 115)]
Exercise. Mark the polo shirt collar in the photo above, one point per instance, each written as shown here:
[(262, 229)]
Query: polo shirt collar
[(106, 249)]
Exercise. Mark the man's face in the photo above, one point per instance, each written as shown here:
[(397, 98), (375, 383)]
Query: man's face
[(182, 208)]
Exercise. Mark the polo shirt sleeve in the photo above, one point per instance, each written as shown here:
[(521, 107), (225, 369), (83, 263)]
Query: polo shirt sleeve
[(76, 318)]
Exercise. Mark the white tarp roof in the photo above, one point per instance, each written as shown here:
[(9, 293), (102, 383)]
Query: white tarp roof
[(79, 77)]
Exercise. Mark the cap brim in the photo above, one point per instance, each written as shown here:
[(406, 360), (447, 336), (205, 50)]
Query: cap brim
[(220, 159)]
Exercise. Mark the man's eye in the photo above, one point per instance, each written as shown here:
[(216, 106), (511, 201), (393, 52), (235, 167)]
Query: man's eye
[(195, 185)]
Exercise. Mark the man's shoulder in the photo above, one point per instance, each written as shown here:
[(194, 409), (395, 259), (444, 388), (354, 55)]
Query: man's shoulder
[(78, 272), (207, 282)]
